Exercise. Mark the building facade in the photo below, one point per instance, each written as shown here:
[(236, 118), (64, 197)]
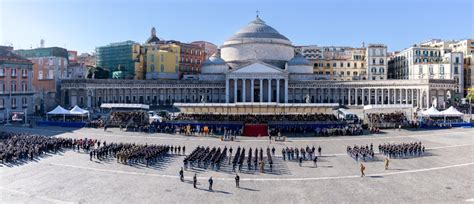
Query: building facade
[(209, 48), (121, 59), (258, 65), (342, 63), (16, 88), (430, 60), (49, 68), (162, 61), (467, 48)]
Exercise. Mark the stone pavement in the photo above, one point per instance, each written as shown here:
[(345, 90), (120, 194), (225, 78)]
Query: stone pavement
[(445, 174)]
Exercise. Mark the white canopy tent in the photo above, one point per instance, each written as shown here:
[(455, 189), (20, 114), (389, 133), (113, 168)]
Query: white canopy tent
[(451, 112), (79, 111), (432, 112), (58, 111)]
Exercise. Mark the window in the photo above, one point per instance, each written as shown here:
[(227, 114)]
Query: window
[(381, 61), (456, 70), (162, 68), (441, 70), (327, 65), (334, 64), (2, 103), (24, 102), (191, 60), (40, 75), (24, 86), (13, 102), (374, 70), (342, 64), (420, 70), (457, 60), (348, 73), (2, 72), (431, 70), (381, 70), (162, 58), (13, 72), (373, 78), (2, 87), (51, 74), (152, 67), (342, 74), (348, 64), (152, 58), (24, 72), (354, 73), (13, 86), (373, 61), (355, 65)]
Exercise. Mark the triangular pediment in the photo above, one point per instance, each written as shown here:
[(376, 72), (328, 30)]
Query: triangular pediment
[(258, 67)]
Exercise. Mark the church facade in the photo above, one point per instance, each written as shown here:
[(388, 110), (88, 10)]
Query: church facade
[(257, 65)]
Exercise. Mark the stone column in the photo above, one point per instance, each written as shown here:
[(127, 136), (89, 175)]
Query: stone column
[(411, 100), (252, 91), (278, 91), (406, 96), (269, 90), (286, 90), (376, 96), (356, 98), (261, 90), (349, 97), (227, 91), (363, 97), (235, 91), (244, 81), (400, 90), (383, 97)]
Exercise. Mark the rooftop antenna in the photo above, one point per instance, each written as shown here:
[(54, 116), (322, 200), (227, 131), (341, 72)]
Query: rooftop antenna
[(258, 13)]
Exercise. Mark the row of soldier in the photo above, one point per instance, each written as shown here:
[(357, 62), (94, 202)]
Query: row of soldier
[(402, 150), (20, 147), (290, 153), (204, 157), (364, 152)]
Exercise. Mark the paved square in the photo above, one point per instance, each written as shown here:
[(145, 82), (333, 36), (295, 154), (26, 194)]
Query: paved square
[(445, 174)]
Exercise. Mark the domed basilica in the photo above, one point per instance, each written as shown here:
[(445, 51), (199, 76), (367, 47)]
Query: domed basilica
[(255, 71)]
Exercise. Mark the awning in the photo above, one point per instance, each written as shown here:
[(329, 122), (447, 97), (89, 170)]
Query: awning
[(432, 112), (452, 112), (59, 111), (78, 111), (125, 106)]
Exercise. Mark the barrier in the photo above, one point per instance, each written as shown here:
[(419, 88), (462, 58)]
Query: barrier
[(61, 124)]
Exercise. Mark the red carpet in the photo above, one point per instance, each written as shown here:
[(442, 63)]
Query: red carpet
[(255, 130)]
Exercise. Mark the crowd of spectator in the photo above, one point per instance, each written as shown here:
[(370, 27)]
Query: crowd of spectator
[(125, 119), (249, 118), (387, 119)]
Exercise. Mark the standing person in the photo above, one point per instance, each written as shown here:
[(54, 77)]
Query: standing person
[(315, 161), (237, 180), (195, 180), (362, 169), (90, 154), (181, 174), (386, 163), (105, 127), (210, 183), (301, 160), (319, 150)]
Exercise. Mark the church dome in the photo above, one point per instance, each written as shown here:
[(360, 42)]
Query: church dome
[(299, 65), (257, 29), (214, 65), (152, 38), (257, 41), (298, 60)]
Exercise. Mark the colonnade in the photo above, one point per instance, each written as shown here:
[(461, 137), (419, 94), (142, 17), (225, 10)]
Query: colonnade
[(256, 90)]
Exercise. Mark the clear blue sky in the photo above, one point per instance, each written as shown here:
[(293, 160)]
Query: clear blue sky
[(84, 24)]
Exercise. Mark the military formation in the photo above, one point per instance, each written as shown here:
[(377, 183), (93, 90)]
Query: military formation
[(204, 157), (16, 147), (362, 152), (403, 150)]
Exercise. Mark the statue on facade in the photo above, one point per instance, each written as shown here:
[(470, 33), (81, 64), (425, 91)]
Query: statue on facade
[(202, 99), (434, 103), (307, 99)]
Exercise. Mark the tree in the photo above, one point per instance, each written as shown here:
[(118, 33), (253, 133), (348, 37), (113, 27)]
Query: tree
[(98, 73)]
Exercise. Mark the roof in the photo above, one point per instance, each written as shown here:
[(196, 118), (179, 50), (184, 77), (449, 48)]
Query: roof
[(298, 60), (451, 111), (125, 106), (59, 111), (257, 29), (78, 111), (214, 60), (8, 56)]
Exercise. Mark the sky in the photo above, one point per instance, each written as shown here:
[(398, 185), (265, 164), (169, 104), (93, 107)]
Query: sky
[(82, 25)]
